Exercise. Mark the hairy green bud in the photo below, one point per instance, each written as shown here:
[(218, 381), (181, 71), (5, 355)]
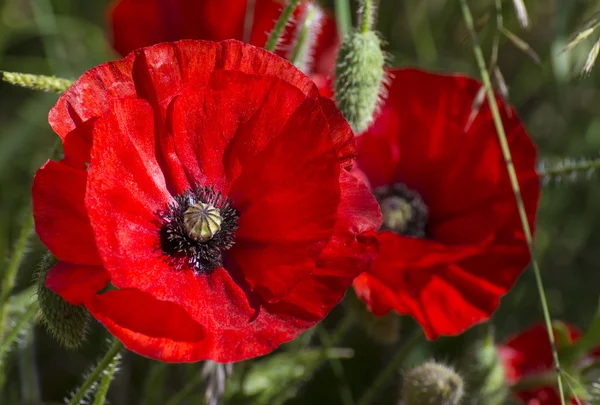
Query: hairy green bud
[(360, 78), (432, 384), (67, 323)]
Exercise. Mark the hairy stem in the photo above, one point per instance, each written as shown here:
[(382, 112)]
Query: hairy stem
[(367, 15), (515, 186), (14, 333), (283, 20), (100, 369)]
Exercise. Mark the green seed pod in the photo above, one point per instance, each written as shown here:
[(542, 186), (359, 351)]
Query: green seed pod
[(67, 323), (432, 384), (484, 373), (360, 78)]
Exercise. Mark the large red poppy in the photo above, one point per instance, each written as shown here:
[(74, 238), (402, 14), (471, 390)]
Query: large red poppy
[(139, 23), (158, 141), (452, 242), (529, 353)]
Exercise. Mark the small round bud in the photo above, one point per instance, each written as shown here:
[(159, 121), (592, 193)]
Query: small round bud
[(202, 221), (432, 384), (67, 323), (360, 78)]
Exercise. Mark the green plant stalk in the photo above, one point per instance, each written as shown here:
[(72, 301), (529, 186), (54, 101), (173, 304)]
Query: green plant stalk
[(10, 273), (114, 349), (14, 333), (343, 17), (37, 82), (109, 374), (338, 370), (367, 15), (515, 186), (280, 24), (583, 166), (387, 373)]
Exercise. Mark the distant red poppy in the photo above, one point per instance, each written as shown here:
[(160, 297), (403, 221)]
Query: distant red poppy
[(215, 197), (529, 353), (139, 23), (451, 243)]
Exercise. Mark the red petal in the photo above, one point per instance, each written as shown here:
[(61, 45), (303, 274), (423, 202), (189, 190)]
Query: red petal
[(214, 151), (349, 253), (341, 133), (287, 197), (76, 283), (61, 220), (137, 24), (420, 140)]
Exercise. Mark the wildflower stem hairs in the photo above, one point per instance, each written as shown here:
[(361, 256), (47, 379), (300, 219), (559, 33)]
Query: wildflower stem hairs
[(299, 202)]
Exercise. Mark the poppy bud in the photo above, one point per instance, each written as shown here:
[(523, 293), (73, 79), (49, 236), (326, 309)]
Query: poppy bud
[(484, 373), (68, 323), (360, 78), (432, 384)]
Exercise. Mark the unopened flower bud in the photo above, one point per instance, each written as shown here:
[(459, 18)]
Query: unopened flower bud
[(432, 384), (66, 322), (360, 78), (484, 373)]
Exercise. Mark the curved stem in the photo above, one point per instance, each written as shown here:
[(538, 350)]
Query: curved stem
[(109, 374), (390, 369), (285, 16), (114, 349), (515, 186)]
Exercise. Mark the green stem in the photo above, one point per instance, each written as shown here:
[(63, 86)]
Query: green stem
[(107, 378), (338, 370), (103, 366), (14, 333), (343, 17), (515, 186), (191, 385), (565, 170), (367, 15), (10, 274), (304, 42), (390, 369), (37, 82), (280, 24)]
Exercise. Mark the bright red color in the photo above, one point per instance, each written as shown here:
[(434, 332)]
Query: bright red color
[(530, 353), (475, 248), (191, 114), (139, 23)]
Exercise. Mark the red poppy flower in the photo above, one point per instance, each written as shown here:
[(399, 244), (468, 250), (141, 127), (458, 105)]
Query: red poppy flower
[(529, 353), (215, 197), (139, 23), (451, 243)]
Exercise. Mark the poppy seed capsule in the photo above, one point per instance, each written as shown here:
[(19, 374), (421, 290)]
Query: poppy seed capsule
[(432, 384), (360, 78), (202, 221)]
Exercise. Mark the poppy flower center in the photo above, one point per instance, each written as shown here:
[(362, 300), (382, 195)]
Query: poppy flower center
[(403, 210), (196, 229)]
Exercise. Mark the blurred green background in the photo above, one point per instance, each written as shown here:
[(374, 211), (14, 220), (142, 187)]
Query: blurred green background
[(561, 110)]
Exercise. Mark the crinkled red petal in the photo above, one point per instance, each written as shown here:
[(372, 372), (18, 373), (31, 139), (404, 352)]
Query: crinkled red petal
[(76, 283), (61, 220)]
